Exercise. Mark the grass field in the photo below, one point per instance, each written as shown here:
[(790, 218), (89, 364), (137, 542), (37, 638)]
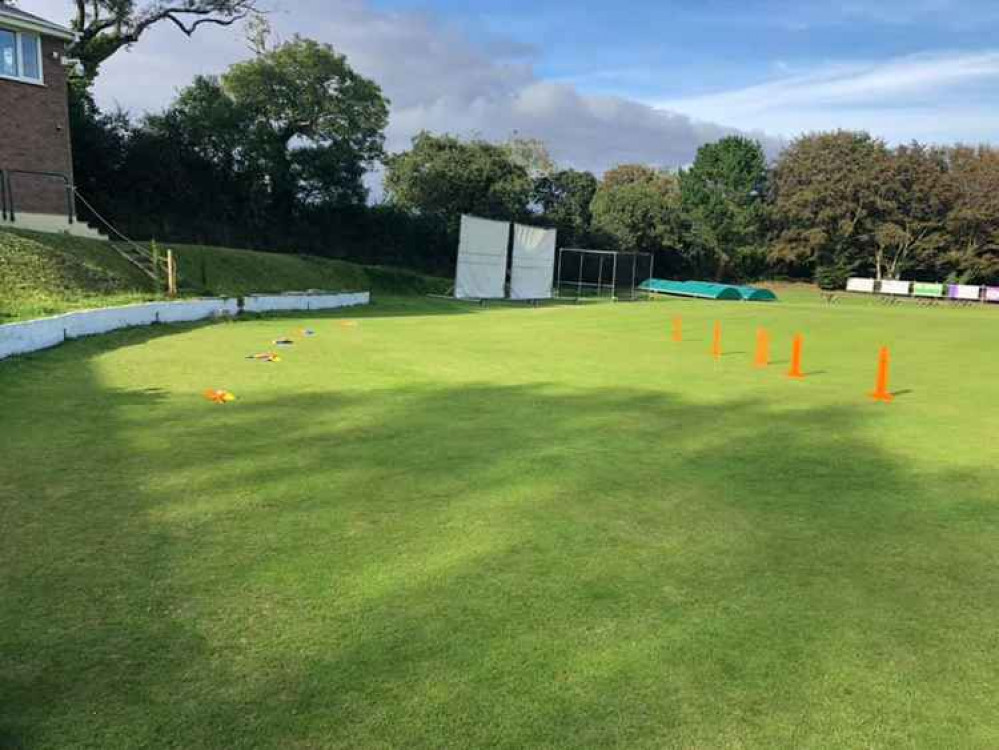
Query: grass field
[(444, 527)]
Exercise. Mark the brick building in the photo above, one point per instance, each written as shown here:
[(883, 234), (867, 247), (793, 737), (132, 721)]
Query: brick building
[(34, 123)]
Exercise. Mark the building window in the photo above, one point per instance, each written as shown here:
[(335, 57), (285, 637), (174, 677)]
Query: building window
[(20, 56), (31, 57), (8, 53)]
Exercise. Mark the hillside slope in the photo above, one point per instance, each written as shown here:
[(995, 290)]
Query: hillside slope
[(45, 274)]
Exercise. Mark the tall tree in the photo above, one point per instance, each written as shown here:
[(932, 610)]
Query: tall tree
[(532, 154), (637, 209), (723, 199), (444, 176), (106, 26), (311, 121), (100, 142), (272, 140), (974, 222), (830, 197), (204, 142), (565, 197), (626, 174), (912, 231)]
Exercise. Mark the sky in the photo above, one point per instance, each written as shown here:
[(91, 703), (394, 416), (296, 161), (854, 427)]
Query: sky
[(604, 83)]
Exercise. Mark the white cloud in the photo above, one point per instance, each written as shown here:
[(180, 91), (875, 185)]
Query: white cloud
[(931, 97), (440, 81), (436, 77)]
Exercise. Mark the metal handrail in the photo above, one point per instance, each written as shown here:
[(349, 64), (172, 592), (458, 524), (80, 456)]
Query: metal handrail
[(3, 194), (8, 191)]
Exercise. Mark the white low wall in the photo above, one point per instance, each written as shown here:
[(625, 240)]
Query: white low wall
[(199, 309), (21, 338), (34, 335), (94, 322), (259, 303)]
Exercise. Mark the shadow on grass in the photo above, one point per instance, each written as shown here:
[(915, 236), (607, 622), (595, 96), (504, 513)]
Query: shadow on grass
[(478, 566)]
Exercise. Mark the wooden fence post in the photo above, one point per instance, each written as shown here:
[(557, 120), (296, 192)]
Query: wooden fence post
[(171, 274), (156, 263)]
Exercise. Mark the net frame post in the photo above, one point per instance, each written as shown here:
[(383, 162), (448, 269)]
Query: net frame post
[(599, 285), (652, 274), (558, 277), (614, 280)]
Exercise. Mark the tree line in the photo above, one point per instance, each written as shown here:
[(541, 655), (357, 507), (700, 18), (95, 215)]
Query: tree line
[(832, 205), (274, 153)]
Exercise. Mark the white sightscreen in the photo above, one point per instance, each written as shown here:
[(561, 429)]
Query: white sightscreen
[(533, 262), (481, 272)]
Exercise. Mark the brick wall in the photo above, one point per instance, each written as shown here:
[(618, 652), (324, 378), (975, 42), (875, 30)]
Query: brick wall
[(34, 134)]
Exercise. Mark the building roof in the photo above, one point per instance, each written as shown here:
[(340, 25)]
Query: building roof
[(19, 19)]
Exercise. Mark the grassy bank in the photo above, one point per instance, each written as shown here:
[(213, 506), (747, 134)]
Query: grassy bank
[(45, 274)]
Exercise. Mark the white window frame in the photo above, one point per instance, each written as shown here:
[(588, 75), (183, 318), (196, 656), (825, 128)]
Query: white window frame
[(19, 54)]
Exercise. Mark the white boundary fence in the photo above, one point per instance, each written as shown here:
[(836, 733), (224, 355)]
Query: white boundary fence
[(965, 292), (953, 292), (860, 285), (899, 288), (44, 333)]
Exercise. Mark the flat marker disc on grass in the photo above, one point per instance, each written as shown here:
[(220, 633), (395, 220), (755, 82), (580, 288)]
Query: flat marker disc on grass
[(218, 396), (283, 342)]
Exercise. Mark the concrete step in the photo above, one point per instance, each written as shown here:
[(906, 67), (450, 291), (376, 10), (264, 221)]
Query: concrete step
[(52, 223)]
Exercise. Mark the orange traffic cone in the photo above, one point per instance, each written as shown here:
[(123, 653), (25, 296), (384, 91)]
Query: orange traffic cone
[(881, 387), (678, 329), (795, 371), (762, 348), (716, 347)]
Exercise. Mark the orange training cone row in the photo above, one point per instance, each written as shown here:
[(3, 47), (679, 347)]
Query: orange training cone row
[(881, 386), (677, 329), (762, 348), (795, 371)]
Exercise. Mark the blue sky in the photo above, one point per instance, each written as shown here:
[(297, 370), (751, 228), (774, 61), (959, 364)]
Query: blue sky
[(934, 59), (676, 47), (604, 83)]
